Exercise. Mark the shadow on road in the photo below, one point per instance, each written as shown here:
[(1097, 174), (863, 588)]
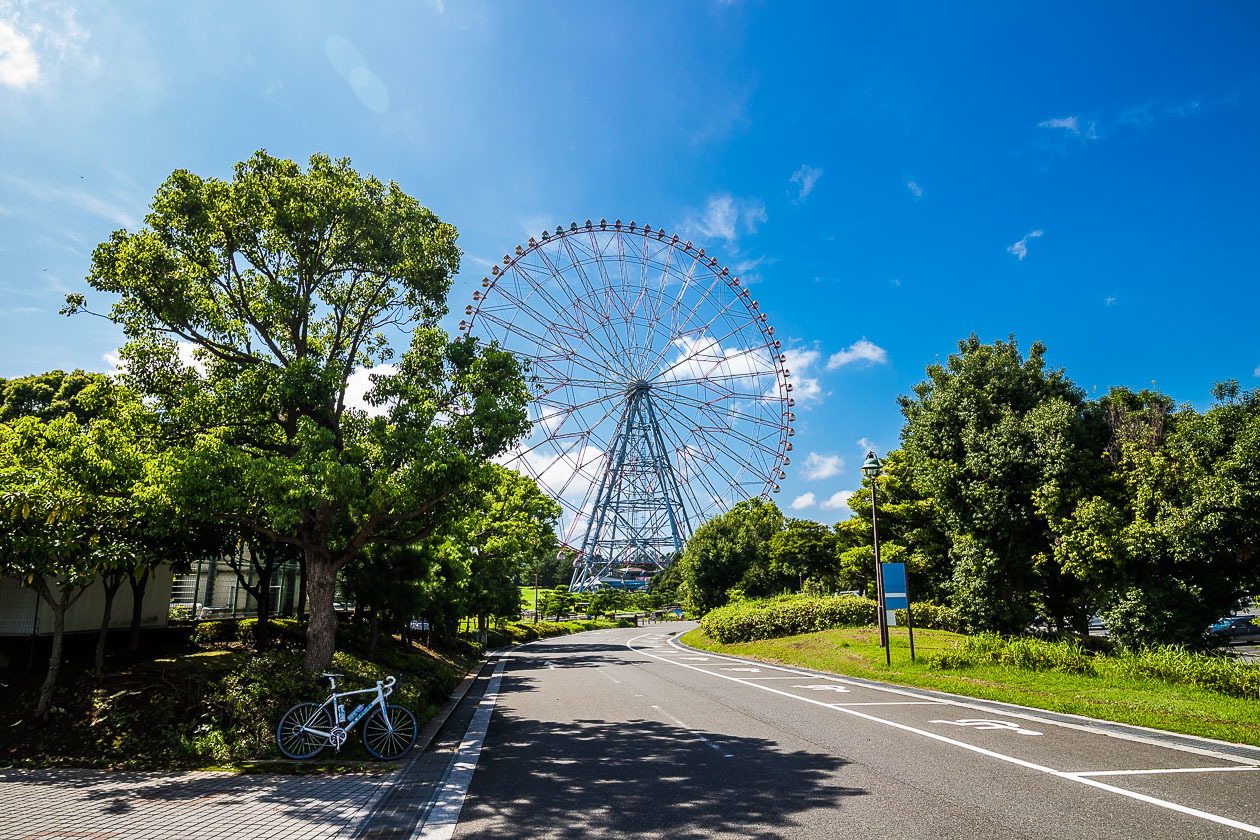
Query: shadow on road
[(644, 777)]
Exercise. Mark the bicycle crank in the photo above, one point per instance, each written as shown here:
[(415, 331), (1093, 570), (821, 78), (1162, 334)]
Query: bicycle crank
[(337, 737)]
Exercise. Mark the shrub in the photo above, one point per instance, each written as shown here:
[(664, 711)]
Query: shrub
[(208, 633), (1024, 653), (931, 616), (750, 620), (285, 632), (1176, 664)]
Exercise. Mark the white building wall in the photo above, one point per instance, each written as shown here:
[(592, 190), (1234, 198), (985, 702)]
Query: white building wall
[(21, 610)]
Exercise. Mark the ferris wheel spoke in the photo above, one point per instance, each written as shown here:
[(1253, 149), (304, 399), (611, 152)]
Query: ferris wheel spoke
[(718, 464), (759, 444), (731, 410), (591, 366), (580, 270)]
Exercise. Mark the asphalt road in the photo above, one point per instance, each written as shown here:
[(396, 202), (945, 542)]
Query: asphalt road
[(622, 733)]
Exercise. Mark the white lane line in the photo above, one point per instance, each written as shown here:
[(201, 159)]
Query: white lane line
[(442, 819), (1155, 772), (1084, 726), (895, 703), (692, 731), (1010, 759), (610, 676)]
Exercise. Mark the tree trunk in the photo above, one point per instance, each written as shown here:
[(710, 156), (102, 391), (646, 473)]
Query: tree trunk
[(111, 582), (321, 630), (262, 597), (374, 622), (138, 585), (54, 659), (301, 601)]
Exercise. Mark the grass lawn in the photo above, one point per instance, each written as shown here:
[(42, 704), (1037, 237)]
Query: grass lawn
[(1107, 696)]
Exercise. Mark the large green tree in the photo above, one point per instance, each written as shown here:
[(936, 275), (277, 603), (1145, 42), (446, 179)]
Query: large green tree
[(67, 512), (732, 551), (1002, 443), (285, 281), (807, 551), (1172, 539)]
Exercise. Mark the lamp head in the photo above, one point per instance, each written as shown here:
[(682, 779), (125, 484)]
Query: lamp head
[(871, 467)]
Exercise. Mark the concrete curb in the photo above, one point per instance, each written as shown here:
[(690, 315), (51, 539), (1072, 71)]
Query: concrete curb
[(1230, 751)]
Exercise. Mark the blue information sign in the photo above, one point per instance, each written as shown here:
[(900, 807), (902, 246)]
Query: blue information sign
[(896, 596)]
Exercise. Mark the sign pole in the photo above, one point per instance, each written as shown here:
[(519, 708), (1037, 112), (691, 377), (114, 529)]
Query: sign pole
[(879, 583)]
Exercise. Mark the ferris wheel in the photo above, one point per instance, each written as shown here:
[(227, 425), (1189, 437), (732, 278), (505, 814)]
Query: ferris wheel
[(660, 392)]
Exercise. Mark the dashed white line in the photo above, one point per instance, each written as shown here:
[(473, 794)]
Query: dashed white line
[(692, 731)]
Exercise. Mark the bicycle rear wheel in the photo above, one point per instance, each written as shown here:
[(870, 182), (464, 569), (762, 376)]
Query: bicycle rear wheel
[(292, 735), (390, 734)]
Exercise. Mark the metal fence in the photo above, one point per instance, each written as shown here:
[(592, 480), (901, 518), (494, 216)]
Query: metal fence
[(213, 590)]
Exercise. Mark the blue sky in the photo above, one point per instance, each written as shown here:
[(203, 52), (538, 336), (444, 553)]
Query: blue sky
[(892, 176)]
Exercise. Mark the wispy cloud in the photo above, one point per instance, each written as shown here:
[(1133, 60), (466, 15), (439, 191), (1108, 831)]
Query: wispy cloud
[(837, 500), (352, 66), (1020, 248), (727, 217), (1256, 372), (915, 189), (1074, 126), (818, 466), (805, 500), (859, 351), (867, 445), (438, 6), (1110, 300), (80, 199), (805, 178)]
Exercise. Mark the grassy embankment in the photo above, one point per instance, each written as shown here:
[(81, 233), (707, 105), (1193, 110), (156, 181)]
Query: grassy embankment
[(1146, 692), (207, 700)]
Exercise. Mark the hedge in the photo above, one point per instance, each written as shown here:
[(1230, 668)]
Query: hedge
[(747, 621)]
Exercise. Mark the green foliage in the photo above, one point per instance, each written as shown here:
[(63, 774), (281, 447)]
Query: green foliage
[(732, 551), (766, 619), (806, 549), (208, 633), (746, 621), (996, 439), (1024, 653), (286, 281), (1177, 664)]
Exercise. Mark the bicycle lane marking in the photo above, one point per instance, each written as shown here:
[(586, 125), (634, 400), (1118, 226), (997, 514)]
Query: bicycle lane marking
[(1010, 759), (449, 802), (1011, 711)]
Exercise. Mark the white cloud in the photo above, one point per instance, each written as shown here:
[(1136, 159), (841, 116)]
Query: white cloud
[(822, 466), (19, 66), (837, 500), (1256, 372), (805, 178), (915, 189), (1073, 126), (859, 351), (438, 6), (805, 389), (805, 500), (360, 382), (185, 349), (727, 217), (1111, 300), (1020, 248), (867, 445)]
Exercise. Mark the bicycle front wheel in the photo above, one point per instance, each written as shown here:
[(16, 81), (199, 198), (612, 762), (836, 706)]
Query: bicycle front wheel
[(293, 735), (390, 734)]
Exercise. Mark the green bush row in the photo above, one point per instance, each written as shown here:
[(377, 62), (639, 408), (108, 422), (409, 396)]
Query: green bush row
[(1175, 665), (285, 632), (518, 632), (1029, 654), (747, 621)]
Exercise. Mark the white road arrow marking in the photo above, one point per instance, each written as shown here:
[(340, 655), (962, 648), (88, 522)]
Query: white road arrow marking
[(979, 723), (839, 688)]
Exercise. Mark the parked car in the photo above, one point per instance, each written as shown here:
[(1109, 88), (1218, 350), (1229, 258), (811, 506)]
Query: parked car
[(1239, 630)]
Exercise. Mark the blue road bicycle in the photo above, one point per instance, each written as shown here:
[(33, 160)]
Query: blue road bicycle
[(388, 730)]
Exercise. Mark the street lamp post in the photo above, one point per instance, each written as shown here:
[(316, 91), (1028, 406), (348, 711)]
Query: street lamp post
[(871, 469)]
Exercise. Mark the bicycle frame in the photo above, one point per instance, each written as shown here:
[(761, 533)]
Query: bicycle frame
[(338, 734)]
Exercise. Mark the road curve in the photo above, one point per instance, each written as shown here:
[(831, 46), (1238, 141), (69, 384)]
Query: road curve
[(625, 733)]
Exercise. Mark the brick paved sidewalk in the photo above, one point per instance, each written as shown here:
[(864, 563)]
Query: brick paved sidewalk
[(109, 805)]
